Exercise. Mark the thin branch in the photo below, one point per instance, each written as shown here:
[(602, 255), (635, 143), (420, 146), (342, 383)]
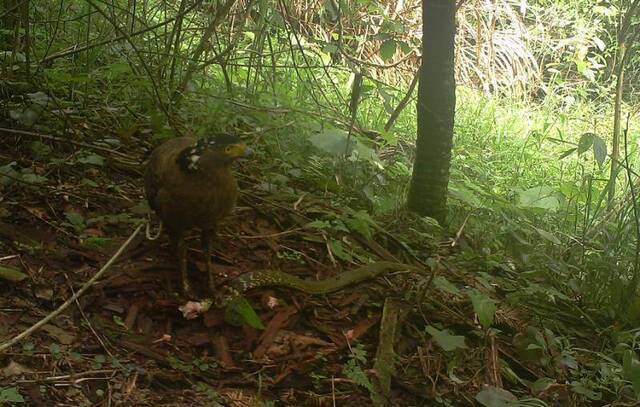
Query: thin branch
[(63, 140), (73, 298), (634, 204), (221, 13), (76, 49), (136, 50), (403, 103)]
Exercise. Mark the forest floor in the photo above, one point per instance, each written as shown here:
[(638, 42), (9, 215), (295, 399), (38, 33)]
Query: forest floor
[(68, 204)]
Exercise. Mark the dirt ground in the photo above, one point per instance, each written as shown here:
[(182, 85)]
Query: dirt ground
[(125, 342)]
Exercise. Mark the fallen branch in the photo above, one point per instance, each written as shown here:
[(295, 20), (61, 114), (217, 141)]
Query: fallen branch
[(384, 365), (63, 140), (73, 298)]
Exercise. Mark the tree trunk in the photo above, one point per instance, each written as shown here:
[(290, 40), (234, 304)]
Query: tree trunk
[(435, 110), (622, 57)]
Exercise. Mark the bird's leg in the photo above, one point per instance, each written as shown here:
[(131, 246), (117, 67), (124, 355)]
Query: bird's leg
[(181, 251), (208, 235)]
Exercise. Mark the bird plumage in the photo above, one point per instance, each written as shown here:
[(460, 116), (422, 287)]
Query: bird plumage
[(189, 184)]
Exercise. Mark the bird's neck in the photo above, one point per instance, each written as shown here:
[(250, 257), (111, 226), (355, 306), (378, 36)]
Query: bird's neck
[(197, 159)]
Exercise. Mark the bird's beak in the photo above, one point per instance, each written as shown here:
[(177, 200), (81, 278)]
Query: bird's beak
[(239, 150)]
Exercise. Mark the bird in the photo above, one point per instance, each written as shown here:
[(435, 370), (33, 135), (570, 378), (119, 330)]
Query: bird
[(190, 185)]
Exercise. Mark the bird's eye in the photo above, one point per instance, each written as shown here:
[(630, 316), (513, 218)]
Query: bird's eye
[(228, 149)]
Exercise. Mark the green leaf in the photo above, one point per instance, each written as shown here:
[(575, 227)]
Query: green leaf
[(7, 171), (548, 236), (580, 388), (599, 150), (567, 360), (631, 370), (76, 220), (178, 364), (119, 321), (89, 183), (10, 395), (354, 372), (483, 306), (333, 141), (541, 385), (11, 274), (27, 116), (92, 159), (360, 222), (445, 285), (33, 178), (610, 11), (368, 154), (54, 349), (119, 68), (445, 340), (98, 361), (330, 48), (39, 98), (339, 251), (542, 197), (75, 356), (96, 241), (585, 143), (465, 195), (599, 43), (319, 224), (567, 153), (496, 397), (388, 49), (28, 348), (40, 149), (239, 310)]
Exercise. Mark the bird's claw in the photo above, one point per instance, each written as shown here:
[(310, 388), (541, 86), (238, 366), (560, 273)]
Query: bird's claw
[(187, 290)]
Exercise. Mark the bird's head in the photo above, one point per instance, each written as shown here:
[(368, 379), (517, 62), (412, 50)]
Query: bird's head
[(220, 149)]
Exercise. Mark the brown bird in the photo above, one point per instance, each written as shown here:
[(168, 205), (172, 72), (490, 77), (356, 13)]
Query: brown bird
[(189, 184)]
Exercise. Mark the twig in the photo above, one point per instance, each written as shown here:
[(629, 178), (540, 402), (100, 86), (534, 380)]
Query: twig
[(403, 103), (333, 391), (636, 216), (285, 232), (68, 376), (73, 298), (190, 70), (63, 140), (80, 48), (142, 60), (93, 331), (459, 233), (51, 224)]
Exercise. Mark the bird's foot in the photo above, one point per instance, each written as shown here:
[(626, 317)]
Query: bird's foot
[(215, 276), (187, 290)]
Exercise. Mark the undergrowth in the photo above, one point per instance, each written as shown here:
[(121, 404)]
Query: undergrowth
[(531, 236)]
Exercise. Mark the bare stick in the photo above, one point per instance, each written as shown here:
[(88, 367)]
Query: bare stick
[(403, 103), (80, 48), (63, 140), (73, 298)]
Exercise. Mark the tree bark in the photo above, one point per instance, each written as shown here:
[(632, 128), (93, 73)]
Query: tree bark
[(435, 110), (622, 55)]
